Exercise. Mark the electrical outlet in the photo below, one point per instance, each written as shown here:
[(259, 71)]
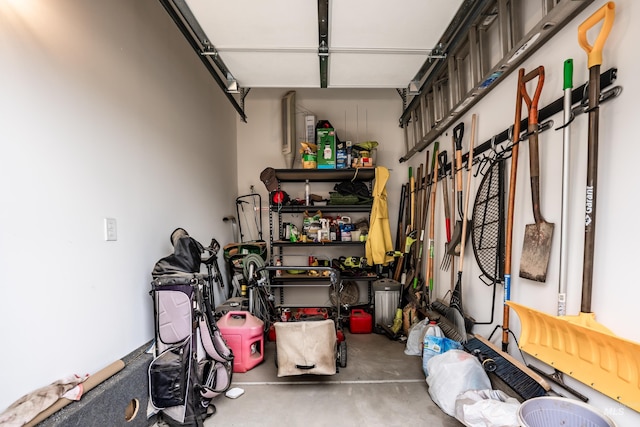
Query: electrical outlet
[(110, 229)]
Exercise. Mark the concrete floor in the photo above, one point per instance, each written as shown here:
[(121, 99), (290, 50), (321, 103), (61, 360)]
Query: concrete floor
[(380, 386)]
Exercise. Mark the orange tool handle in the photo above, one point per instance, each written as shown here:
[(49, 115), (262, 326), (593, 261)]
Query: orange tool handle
[(532, 103), (606, 14)]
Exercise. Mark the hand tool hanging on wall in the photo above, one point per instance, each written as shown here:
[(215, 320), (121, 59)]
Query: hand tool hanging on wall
[(413, 234), (454, 244), (429, 185), (442, 161), (434, 187), (510, 209), (564, 212), (536, 247), (456, 297), (400, 235)]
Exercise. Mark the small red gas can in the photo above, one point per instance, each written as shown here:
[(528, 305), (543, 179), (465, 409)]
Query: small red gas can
[(360, 322)]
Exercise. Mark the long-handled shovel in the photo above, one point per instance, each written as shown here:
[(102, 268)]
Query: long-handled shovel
[(454, 244), (578, 345), (510, 209), (432, 214), (456, 297), (536, 247)]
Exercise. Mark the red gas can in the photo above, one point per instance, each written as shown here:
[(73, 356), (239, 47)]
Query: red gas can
[(360, 322), (244, 333)]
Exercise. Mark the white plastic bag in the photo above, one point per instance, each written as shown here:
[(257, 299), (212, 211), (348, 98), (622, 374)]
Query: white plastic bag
[(452, 373), (487, 408), (415, 338)]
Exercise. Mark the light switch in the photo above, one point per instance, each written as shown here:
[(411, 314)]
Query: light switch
[(110, 229)]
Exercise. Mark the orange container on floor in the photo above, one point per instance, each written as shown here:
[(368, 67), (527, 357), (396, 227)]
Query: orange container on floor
[(244, 333), (360, 322)]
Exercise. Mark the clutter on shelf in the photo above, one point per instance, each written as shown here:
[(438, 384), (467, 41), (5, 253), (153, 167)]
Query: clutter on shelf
[(317, 227), (325, 150)]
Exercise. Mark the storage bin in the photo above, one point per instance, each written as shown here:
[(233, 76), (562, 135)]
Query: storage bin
[(560, 411), (306, 348), (244, 333), (360, 322)]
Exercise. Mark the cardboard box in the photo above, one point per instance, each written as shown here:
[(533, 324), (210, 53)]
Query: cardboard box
[(326, 140)]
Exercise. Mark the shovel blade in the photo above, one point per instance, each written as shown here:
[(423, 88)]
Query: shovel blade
[(536, 250), (591, 355)]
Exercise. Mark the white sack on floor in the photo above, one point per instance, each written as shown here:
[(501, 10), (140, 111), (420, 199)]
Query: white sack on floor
[(487, 408), (452, 373), (416, 338)]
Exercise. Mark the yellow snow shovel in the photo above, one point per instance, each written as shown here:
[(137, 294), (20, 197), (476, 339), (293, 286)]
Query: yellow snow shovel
[(578, 345)]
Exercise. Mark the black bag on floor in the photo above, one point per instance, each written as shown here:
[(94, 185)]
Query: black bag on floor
[(192, 364)]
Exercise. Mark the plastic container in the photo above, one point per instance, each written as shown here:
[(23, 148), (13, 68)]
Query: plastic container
[(244, 333), (360, 322), (433, 329), (559, 411)]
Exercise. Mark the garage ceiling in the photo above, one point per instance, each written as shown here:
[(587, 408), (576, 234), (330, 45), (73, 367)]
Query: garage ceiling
[(371, 44), (442, 56)]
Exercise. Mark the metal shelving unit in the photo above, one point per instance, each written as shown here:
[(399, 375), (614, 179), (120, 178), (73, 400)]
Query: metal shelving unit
[(280, 248)]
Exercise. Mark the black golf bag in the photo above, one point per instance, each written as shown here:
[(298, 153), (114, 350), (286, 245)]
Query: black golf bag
[(192, 363)]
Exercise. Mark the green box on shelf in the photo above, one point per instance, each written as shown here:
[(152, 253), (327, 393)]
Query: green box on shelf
[(326, 141)]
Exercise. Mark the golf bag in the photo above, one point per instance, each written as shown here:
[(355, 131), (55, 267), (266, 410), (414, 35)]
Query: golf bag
[(192, 363)]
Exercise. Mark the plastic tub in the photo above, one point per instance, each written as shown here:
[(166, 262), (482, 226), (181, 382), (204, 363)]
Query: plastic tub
[(559, 411)]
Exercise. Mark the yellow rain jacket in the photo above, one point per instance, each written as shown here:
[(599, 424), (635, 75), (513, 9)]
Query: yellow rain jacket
[(379, 239)]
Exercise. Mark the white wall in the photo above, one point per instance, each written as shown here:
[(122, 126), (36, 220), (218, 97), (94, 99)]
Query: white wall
[(614, 293), (106, 112)]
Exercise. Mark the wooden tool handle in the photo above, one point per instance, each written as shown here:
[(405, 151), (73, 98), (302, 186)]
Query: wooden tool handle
[(532, 103), (510, 209), (534, 159), (442, 159), (412, 195), (513, 177), (466, 198)]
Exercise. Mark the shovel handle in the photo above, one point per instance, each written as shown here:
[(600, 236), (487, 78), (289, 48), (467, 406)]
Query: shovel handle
[(442, 161), (458, 132), (510, 210), (532, 103), (606, 14), (534, 160)]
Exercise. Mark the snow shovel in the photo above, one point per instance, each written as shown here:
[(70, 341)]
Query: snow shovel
[(536, 246), (578, 345)]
